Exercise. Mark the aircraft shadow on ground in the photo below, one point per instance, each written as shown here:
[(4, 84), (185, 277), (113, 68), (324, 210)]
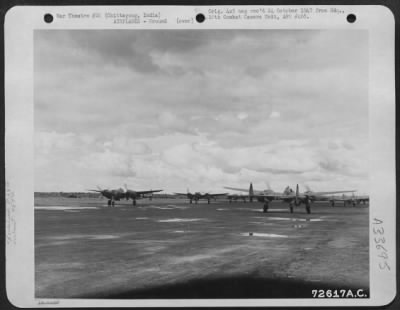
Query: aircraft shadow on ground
[(230, 287)]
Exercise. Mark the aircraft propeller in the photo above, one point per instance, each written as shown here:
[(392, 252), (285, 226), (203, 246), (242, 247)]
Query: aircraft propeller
[(297, 194)]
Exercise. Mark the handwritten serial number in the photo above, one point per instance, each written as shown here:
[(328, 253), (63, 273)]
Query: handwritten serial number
[(379, 241)]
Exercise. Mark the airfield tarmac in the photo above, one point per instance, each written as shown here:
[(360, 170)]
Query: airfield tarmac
[(168, 248)]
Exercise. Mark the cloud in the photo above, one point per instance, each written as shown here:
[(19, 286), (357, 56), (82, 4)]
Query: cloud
[(275, 114), (130, 146), (186, 107)]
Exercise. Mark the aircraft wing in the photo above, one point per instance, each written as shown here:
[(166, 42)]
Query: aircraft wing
[(246, 190), (149, 192), (181, 194), (237, 189), (217, 195), (237, 195), (330, 193), (275, 196)]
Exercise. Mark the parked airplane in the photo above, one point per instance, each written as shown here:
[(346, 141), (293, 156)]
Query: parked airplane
[(353, 199), (111, 194), (290, 197), (134, 195), (197, 196)]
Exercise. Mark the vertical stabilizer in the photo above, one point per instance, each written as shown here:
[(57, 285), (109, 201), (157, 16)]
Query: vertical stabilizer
[(251, 191)]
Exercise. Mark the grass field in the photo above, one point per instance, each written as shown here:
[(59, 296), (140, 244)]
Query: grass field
[(168, 248)]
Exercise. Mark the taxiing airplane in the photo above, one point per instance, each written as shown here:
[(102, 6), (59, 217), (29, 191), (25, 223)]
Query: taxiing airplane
[(111, 194), (197, 196), (118, 194), (290, 197)]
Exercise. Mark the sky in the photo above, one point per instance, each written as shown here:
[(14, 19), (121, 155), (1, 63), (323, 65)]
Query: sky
[(200, 109)]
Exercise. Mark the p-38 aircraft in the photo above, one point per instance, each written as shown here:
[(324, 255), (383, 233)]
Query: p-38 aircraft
[(198, 195), (118, 194)]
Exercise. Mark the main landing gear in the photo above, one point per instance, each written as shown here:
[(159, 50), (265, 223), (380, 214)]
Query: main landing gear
[(134, 202), (266, 206), (111, 203), (291, 207), (308, 206)]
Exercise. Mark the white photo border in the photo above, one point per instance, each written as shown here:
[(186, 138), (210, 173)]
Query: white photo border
[(20, 23)]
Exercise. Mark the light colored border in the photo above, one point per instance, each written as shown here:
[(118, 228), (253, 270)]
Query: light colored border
[(19, 25)]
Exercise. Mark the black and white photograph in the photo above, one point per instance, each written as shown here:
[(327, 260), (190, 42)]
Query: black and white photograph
[(247, 147), (230, 163)]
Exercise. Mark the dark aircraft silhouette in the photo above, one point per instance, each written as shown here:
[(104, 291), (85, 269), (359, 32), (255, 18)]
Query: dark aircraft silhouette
[(197, 196), (111, 194), (118, 194)]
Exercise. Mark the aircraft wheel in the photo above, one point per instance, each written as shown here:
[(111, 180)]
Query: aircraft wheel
[(190, 201), (134, 202), (208, 201), (308, 209), (332, 203), (109, 203), (265, 210), (113, 203), (291, 209)]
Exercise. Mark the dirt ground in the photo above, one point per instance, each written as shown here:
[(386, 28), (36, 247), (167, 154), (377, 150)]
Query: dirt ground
[(168, 248)]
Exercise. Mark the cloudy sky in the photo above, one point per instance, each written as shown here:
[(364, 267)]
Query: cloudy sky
[(177, 109)]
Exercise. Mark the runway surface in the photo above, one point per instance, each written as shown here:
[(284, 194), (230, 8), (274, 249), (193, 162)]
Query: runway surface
[(168, 248)]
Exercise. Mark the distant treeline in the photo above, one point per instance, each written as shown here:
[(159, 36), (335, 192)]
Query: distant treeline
[(86, 195)]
